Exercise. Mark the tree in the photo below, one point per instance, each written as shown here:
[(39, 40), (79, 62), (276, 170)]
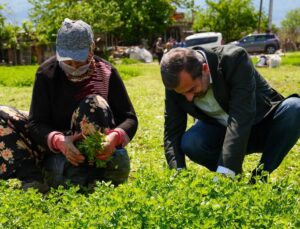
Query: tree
[(129, 20), (291, 25), (47, 15), (2, 18), (8, 32), (233, 18), (189, 7), (7, 36), (9, 41), (143, 19)]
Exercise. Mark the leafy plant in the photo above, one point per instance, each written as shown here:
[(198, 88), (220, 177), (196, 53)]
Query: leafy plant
[(91, 146), (154, 196)]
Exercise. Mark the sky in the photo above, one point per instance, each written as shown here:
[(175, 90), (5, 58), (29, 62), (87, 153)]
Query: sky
[(18, 9)]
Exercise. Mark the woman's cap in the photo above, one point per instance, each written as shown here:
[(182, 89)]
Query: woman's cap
[(74, 40)]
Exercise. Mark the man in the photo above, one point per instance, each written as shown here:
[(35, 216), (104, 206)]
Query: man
[(159, 49), (237, 111)]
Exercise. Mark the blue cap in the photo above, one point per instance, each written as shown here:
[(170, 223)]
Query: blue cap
[(74, 40)]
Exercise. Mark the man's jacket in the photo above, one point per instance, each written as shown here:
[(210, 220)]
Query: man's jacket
[(242, 93)]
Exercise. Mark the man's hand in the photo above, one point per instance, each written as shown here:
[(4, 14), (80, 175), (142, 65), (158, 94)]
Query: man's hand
[(109, 146), (66, 146)]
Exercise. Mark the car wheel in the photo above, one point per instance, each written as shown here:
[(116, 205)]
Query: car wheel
[(270, 49)]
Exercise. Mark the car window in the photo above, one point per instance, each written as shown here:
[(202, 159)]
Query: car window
[(270, 36), (200, 41), (260, 38), (247, 39)]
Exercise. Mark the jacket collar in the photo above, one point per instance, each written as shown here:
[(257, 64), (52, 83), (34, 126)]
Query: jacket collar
[(220, 88)]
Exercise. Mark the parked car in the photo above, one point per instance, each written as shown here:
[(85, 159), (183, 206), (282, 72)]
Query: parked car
[(208, 39), (263, 42)]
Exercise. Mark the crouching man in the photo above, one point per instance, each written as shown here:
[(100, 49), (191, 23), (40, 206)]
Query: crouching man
[(237, 111)]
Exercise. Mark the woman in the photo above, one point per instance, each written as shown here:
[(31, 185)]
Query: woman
[(74, 94)]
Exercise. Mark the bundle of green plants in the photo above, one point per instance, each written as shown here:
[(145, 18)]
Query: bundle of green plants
[(92, 146)]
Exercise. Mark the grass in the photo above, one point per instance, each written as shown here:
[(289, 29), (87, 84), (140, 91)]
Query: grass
[(18, 76), (23, 76), (18, 97), (291, 59), (155, 197), (285, 79)]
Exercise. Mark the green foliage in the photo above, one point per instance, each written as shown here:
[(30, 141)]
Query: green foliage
[(30, 33), (233, 18), (8, 32), (129, 20), (2, 18), (291, 24), (164, 199), (8, 35), (47, 15), (143, 19), (154, 196), (91, 146)]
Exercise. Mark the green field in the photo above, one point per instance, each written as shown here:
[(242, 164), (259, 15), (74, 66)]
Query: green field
[(154, 196)]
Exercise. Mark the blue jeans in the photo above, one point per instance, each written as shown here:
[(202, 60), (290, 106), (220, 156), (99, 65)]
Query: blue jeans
[(273, 137), (58, 171)]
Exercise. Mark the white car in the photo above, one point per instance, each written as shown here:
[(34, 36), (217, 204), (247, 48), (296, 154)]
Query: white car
[(205, 40)]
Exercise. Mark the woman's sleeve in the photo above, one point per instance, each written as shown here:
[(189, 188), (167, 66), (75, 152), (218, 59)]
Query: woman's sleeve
[(121, 106), (40, 111)]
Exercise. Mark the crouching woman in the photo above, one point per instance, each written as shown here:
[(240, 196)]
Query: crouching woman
[(76, 93)]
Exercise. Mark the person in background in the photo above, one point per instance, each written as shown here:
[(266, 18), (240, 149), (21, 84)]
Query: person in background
[(238, 112), (168, 47), (159, 49), (172, 42), (181, 43)]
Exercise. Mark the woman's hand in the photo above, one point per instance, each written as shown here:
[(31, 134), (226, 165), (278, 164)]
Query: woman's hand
[(65, 144), (71, 152), (109, 146)]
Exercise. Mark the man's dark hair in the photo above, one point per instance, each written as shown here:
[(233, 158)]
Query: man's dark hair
[(177, 60)]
